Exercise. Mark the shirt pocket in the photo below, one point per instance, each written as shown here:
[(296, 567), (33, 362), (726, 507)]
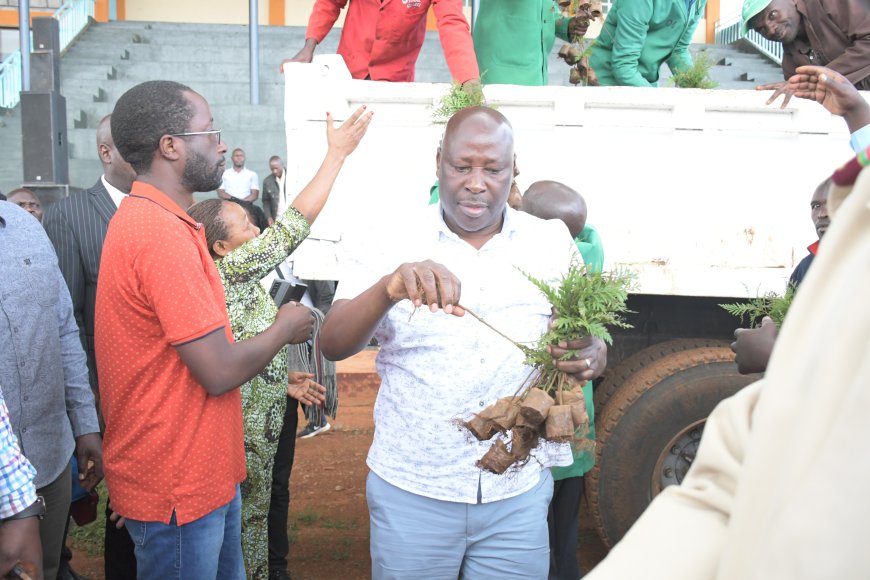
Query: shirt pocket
[(40, 272)]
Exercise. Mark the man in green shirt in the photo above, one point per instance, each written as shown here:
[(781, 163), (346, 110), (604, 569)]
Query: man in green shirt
[(639, 35), (554, 200), (513, 39)]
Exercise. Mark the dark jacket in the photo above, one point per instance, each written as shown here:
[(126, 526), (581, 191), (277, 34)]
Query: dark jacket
[(271, 192), (76, 226), (839, 38)]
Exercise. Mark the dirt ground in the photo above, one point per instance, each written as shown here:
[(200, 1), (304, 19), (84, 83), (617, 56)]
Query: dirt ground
[(329, 522)]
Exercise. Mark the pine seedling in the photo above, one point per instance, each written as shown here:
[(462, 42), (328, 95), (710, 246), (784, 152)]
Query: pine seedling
[(697, 76), (770, 304)]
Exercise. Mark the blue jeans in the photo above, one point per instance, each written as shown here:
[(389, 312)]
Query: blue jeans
[(414, 537), (204, 549)]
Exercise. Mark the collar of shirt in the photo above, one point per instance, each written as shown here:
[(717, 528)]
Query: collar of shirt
[(116, 194), (508, 227), (151, 193)]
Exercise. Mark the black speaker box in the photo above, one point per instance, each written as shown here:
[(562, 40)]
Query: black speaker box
[(43, 136), (44, 72), (46, 34)]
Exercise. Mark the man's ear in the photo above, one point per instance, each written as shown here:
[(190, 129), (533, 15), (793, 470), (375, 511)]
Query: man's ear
[(105, 153), (168, 147), (220, 248), (438, 164)]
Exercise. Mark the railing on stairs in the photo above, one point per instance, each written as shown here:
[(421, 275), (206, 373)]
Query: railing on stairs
[(73, 16), (728, 32)]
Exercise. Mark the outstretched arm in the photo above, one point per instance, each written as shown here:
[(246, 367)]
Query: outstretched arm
[(350, 324), (341, 142), (455, 35), (628, 41), (322, 19), (834, 92)]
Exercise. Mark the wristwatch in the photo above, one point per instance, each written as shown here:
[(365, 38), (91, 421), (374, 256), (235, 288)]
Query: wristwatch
[(34, 510)]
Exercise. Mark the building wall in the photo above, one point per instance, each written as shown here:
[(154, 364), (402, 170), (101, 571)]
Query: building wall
[(200, 11), (34, 4)]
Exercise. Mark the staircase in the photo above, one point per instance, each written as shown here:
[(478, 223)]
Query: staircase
[(109, 58)]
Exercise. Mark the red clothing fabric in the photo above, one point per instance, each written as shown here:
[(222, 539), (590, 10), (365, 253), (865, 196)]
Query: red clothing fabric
[(381, 39), (168, 445), (814, 247)]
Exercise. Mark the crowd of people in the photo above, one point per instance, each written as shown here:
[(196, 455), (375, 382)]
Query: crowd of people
[(142, 337)]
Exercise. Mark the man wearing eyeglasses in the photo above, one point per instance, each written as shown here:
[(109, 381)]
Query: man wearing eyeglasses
[(169, 369)]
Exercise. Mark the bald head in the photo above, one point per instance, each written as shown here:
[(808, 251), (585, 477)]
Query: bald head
[(483, 119), (116, 170), (104, 130), (553, 200)]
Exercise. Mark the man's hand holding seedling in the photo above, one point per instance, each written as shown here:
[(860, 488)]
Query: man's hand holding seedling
[(427, 283), (583, 359)]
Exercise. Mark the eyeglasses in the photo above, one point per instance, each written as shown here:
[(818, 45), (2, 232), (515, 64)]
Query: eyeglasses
[(212, 132)]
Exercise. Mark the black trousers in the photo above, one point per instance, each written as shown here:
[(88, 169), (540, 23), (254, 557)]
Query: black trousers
[(279, 545), (118, 558), (562, 520)]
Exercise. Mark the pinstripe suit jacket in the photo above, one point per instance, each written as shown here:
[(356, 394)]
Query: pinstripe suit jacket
[(77, 227)]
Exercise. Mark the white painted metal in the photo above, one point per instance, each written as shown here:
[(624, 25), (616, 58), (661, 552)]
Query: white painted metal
[(703, 193)]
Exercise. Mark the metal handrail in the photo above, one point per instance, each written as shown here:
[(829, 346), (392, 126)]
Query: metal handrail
[(10, 80), (72, 17), (730, 32)]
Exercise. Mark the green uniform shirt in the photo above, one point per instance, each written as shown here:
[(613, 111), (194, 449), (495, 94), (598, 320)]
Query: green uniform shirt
[(639, 35), (592, 250), (513, 39)]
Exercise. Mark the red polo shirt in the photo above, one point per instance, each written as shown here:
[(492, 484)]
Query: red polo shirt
[(382, 38), (168, 445)]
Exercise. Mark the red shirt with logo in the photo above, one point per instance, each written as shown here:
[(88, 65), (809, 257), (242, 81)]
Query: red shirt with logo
[(381, 39), (168, 444)]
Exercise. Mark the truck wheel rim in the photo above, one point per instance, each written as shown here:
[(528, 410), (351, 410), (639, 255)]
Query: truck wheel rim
[(677, 457)]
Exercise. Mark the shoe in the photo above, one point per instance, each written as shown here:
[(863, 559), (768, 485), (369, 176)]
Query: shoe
[(312, 430), (279, 575)]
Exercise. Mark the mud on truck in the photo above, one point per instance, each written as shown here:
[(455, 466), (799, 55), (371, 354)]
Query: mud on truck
[(694, 190)]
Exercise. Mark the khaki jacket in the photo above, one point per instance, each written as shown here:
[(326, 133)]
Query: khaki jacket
[(779, 488)]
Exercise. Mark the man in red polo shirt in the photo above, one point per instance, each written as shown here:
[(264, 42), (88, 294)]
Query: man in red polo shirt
[(381, 39), (168, 367)]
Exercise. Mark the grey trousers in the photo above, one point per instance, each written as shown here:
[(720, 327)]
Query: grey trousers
[(57, 495)]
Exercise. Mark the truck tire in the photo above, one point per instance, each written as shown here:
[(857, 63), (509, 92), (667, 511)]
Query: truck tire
[(615, 378), (649, 431)]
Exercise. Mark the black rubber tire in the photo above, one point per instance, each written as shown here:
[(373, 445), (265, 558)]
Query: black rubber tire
[(639, 423), (615, 378)]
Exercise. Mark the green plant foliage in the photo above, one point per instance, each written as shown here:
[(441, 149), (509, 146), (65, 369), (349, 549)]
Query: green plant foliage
[(456, 99), (586, 304), (770, 304), (696, 77)]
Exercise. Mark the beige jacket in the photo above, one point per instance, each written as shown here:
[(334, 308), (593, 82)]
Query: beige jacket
[(780, 488)]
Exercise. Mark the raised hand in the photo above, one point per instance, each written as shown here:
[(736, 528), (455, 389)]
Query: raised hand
[(344, 140)]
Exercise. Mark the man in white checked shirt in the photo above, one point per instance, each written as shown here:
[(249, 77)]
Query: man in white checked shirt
[(19, 506), (434, 514)]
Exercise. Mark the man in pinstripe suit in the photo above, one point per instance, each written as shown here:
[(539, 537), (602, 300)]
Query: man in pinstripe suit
[(77, 227)]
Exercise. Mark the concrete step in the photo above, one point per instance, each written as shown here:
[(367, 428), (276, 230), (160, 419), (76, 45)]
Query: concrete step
[(110, 58)]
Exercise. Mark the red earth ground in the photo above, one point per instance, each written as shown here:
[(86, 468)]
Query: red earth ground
[(329, 522)]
